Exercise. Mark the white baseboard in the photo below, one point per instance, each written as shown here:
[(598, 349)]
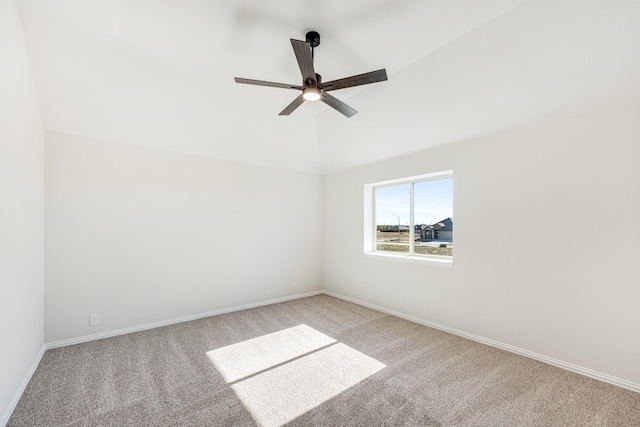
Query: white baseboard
[(23, 385), (146, 326), (549, 360)]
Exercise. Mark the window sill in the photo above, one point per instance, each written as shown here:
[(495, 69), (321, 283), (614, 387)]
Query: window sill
[(415, 259)]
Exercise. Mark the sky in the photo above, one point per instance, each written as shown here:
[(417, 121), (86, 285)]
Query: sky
[(433, 201)]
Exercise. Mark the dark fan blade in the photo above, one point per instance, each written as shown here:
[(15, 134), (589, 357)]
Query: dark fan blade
[(305, 61), (359, 80), (291, 107), (338, 105), (269, 84)]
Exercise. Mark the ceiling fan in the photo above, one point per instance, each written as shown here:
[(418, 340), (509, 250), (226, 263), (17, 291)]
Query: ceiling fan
[(313, 88)]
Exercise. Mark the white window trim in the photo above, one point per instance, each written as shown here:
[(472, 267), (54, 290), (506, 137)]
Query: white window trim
[(370, 223)]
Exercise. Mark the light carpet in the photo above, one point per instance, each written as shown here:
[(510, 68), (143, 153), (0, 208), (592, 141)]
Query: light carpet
[(316, 361)]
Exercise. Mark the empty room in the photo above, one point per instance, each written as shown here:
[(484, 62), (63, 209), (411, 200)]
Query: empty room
[(242, 213)]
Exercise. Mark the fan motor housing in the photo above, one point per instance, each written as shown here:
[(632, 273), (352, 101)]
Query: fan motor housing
[(313, 38)]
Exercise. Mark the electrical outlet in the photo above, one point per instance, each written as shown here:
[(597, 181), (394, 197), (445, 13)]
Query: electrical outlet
[(402, 301), (94, 319), (294, 286)]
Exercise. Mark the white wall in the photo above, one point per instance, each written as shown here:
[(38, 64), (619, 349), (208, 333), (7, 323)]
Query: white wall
[(21, 213), (140, 235), (547, 240)]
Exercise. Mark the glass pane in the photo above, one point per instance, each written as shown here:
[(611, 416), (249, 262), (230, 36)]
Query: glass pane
[(433, 216), (392, 218)]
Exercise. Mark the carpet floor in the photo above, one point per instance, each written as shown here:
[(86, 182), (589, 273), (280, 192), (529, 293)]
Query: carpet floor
[(316, 361)]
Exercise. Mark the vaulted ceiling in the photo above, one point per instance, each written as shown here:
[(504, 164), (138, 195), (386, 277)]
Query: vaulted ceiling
[(159, 73)]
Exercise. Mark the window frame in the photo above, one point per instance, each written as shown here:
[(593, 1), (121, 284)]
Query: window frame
[(370, 226)]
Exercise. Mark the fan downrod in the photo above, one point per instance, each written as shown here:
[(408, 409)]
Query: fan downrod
[(313, 38)]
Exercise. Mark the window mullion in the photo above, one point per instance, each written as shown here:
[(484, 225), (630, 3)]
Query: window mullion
[(412, 228)]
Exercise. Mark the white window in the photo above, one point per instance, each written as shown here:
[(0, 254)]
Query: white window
[(411, 218)]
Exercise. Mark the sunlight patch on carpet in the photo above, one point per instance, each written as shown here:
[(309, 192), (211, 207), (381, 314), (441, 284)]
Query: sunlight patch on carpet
[(280, 376), (247, 358)]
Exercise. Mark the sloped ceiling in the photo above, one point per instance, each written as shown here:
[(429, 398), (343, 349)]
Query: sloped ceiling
[(160, 73)]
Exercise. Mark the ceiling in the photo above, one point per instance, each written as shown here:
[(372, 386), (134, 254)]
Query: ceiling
[(159, 73)]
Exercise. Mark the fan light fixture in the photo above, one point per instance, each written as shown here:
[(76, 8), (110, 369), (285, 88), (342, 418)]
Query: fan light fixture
[(311, 93)]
